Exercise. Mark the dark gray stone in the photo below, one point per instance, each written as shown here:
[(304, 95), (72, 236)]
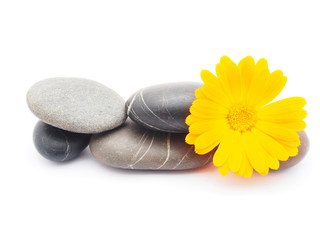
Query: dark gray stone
[(76, 105), (134, 147), (163, 107), (58, 145), (303, 150)]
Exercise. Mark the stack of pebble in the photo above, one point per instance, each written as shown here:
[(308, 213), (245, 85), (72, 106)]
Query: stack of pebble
[(75, 113)]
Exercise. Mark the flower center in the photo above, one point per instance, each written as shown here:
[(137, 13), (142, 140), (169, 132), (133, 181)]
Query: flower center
[(241, 118)]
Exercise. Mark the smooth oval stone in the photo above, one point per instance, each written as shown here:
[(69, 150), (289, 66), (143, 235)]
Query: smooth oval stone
[(134, 147), (58, 145), (76, 105), (303, 150), (163, 107)]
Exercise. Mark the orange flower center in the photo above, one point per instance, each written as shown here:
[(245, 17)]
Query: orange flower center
[(241, 118)]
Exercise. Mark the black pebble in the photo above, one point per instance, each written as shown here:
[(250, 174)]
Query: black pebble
[(58, 145)]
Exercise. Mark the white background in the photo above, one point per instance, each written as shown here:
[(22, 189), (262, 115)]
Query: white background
[(128, 45)]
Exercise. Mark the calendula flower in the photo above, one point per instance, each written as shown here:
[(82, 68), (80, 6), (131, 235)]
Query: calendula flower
[(231, 112)]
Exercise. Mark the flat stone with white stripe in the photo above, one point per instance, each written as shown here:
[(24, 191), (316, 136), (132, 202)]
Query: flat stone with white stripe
[(163, 107), (134, 147)]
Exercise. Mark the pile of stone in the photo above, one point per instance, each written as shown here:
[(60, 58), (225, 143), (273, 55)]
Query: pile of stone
[(75, 113)]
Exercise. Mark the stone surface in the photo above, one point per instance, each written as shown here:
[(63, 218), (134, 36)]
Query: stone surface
[(134, 147), (163, 107), (76, 105), (58, 145), (303, 150)]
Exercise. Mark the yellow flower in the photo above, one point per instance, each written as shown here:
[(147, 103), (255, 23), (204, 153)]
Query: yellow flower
[(231, 111)]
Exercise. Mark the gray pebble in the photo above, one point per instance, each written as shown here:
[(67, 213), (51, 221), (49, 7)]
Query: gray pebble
[(76, 105), (133, 147), (163, 107)]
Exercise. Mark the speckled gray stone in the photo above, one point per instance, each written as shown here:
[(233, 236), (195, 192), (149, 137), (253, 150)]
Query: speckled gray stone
[(163, 107), (134, 147), (76, 105), (303, 150)]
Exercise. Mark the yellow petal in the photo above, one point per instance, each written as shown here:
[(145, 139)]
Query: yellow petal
[(296, 116), (199, 94), (200, 127), (291, 147), (269, 144), (265, 173), (209, 109), (208, 77), (276, 131), (235, 159), (240, 171), (228, 73), (271, 150), (201, 113), (284, 111), (296, 126), (287, 113), (216, 94), (274, 85), (207, 140), (246, 68), (191, 138), (204, 150), (285, 105), (248, 169), (258, 82), (236, 152), (207, 104), (211, 137), (273, 163), (224, 170), (192, 119), (223, 151), (256, 155)]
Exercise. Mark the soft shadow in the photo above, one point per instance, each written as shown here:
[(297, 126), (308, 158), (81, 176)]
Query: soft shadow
[(231, 179), (255, 179), (85, 155)]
